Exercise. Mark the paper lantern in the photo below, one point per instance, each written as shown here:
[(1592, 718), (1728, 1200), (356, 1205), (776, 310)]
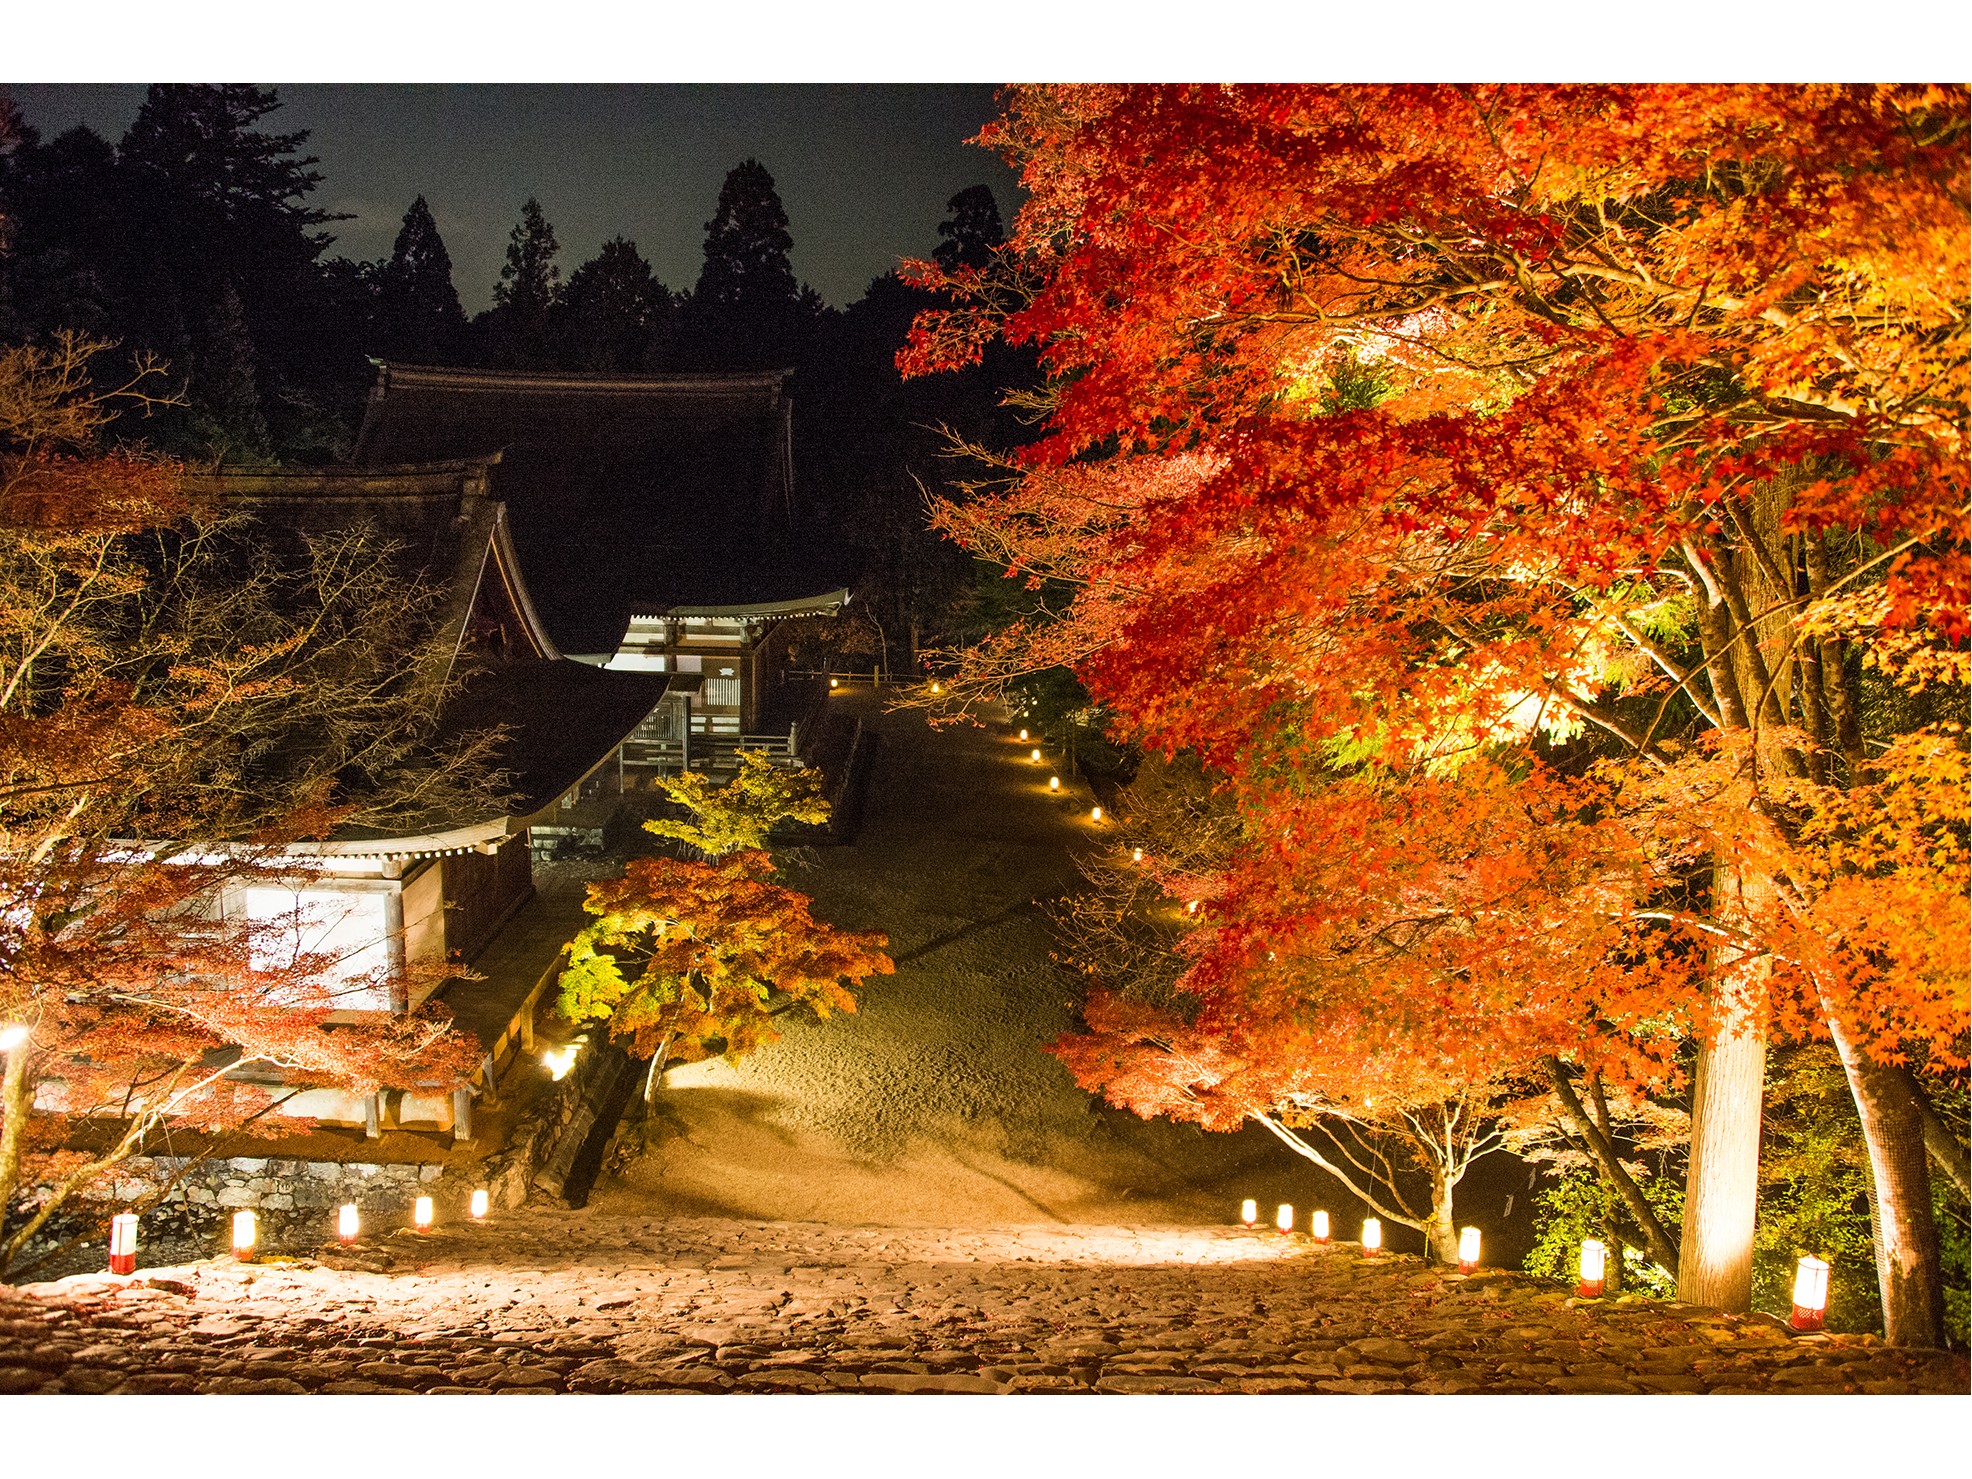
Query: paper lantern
[(1318, 1227), (1284, 1217), (1249, 1211), (349, 1222), (480, 1203), (1054, 783), (1034, 757), (12, 1035), (244, 1234), (123, 1243), (1372, 1237), (1023, 734), (1810, 1293), (834, 683), (560, 1060), (1468, 1250), (1095, 813), (1593, 1254), (421, 1214), (1136, 855)]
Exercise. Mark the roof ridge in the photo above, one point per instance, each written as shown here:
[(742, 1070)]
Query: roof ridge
[(391, 376)]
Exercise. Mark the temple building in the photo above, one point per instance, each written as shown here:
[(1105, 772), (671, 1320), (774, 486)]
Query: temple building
[(652, 517), (376, 897)]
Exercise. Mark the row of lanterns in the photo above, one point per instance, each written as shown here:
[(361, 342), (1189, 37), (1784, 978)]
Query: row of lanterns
[(1810, 1274), (1054, 786), (246, 1228)]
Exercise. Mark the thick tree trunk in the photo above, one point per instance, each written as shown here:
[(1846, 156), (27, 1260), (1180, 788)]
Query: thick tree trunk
[(1722, 1185), (1947, 1151), (1907, 1271), (16, 1101), (1722, 1188)]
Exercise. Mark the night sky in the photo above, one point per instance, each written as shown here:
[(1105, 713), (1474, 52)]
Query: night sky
[(864, 171)]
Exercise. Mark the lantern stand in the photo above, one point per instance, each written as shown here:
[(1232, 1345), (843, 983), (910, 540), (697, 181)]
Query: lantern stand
[(1592, 1270), (123, 1243), (1810, 1293)]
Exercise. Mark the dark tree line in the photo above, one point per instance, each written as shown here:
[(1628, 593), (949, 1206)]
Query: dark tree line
[(193, 240)]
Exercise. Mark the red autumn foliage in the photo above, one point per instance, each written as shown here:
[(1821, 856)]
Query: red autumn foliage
[(1545, 507)]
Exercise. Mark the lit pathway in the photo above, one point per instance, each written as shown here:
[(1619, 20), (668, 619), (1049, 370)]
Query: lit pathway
[(559, 1302), (935, 1104)]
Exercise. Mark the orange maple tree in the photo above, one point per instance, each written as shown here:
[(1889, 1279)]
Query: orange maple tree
[(1414, 448), (689, 959), (133, 801)]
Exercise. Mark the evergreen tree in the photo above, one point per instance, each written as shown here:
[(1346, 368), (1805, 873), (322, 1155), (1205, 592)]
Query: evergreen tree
[(748, 311), (973, 231), (418, 317), (225, 207), (519, 331), (223, 386), (746, 244), (612, 311)]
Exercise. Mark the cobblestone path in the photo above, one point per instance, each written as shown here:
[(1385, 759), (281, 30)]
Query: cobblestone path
[(551, 1302)]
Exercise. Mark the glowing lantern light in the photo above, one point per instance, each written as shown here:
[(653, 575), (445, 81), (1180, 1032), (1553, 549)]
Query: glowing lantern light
[(1810, 1293), (479, 1203), (835, 682), (244, 1234), (1034, 757), (12, 1035), (1192, 907), (1249, 1211), (1468, 1250), (1023, 734), (1593, 1254), (1095, 813), (1136, 855), (560, 1060), (349, 1223), (1318, 1227), (937, 688), (1284, 1217), (1372, 1237), (1054, 783), (123, 1243), (421, 1214)]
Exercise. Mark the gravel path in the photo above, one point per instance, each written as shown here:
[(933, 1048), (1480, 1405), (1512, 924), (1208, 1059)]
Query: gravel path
[(558, 1302), (935, 1104)]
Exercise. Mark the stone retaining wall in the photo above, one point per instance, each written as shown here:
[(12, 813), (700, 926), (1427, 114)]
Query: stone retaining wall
[(281, 1184)]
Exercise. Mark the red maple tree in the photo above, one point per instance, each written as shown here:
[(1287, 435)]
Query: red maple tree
[(1608, 440)]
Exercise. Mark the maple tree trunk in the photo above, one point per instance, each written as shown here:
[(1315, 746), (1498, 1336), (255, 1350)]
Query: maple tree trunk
[(1442, 1238), (1907, 1270), (1947, 1151), (1722, 1185), (16, 1100), (1657, 1239), (654, 1079)]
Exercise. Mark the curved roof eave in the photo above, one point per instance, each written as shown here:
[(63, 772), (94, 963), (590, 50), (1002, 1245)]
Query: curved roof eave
[(833, 600)]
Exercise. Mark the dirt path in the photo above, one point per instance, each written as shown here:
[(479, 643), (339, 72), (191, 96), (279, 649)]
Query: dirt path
[(934, 1104)]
